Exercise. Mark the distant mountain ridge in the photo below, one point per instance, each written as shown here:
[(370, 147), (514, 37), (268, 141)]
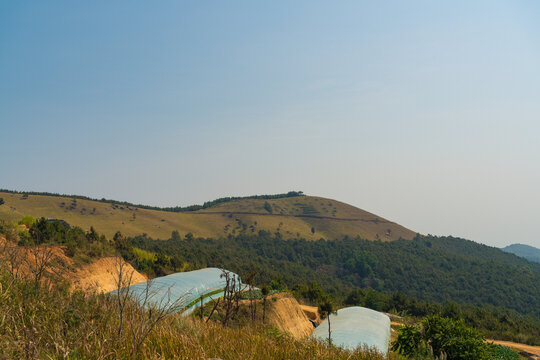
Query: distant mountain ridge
[(292, 215), (205, 205), (525, 251)]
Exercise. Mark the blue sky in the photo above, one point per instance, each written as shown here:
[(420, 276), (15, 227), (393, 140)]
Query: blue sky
[(425, 113)]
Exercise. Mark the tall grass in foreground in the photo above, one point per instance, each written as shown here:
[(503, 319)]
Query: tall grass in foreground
[(51, 322)]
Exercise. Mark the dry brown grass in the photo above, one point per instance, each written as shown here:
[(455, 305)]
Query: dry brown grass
[(54, 323), (292, 217)]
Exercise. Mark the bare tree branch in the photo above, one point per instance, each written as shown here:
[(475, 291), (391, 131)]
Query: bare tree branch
[(150, 308), (123, 279), (38, 261), (231, 294)]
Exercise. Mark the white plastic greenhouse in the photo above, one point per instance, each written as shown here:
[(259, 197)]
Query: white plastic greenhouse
[(356, 326), (188, 286)]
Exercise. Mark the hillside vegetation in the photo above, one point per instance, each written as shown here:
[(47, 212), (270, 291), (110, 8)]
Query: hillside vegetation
[(353, 271), (525, 251), (54, 323), (296, 216), (436, 269), (270, 261), (497, 292), (46, 317)]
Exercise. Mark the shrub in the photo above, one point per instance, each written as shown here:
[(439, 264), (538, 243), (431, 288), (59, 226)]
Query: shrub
[(28, 221), (444, 336), (504, 353), (409, 341)]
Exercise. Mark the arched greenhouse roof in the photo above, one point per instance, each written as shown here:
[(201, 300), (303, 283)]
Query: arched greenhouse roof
[(356, 326), (188, 286)]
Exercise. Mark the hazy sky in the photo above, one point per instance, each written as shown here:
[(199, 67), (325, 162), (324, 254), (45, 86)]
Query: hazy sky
[(423, 112)]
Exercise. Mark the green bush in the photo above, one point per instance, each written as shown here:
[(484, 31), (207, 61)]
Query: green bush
[(410, 341), (504, 353), (267, 207), (444, 336), (28, 221), (456, 340)]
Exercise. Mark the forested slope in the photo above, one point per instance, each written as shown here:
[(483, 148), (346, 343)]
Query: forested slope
[(439, 269)]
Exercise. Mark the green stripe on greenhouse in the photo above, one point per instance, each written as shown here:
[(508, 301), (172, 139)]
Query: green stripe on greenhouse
[(188, 286)]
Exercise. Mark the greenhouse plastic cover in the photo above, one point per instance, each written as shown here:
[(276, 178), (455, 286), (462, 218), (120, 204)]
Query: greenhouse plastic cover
[(356, 326), (187, 286)]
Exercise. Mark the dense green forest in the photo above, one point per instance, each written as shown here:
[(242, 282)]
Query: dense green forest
[(436, 269), (205, 205), (496, 292)]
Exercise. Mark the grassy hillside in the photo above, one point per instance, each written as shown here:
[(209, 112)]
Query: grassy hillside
[(54, 323), (300, 216)]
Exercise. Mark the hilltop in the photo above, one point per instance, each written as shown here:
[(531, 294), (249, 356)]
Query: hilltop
[(525, 251), (293, 215)]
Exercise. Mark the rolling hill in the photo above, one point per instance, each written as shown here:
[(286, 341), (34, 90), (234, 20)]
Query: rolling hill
[(309, 217), (525, 251)]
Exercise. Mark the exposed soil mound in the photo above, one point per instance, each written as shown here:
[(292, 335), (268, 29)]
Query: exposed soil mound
[(286, 314), (101, 274), (51, 261)]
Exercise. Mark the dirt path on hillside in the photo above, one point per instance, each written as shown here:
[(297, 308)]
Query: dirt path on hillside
[(535, 350), (375, 221)]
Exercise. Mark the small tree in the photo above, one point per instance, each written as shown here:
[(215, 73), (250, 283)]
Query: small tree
[(11, 258), (314, 293), (267, 207), (326, 308), (38, 261), (216, 304), (28, 221), (92, 235), (120, 242), (123, 281), (250, 281), (149, 308), (176, 262), (265, 290), (175, 235), (231, 294)]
